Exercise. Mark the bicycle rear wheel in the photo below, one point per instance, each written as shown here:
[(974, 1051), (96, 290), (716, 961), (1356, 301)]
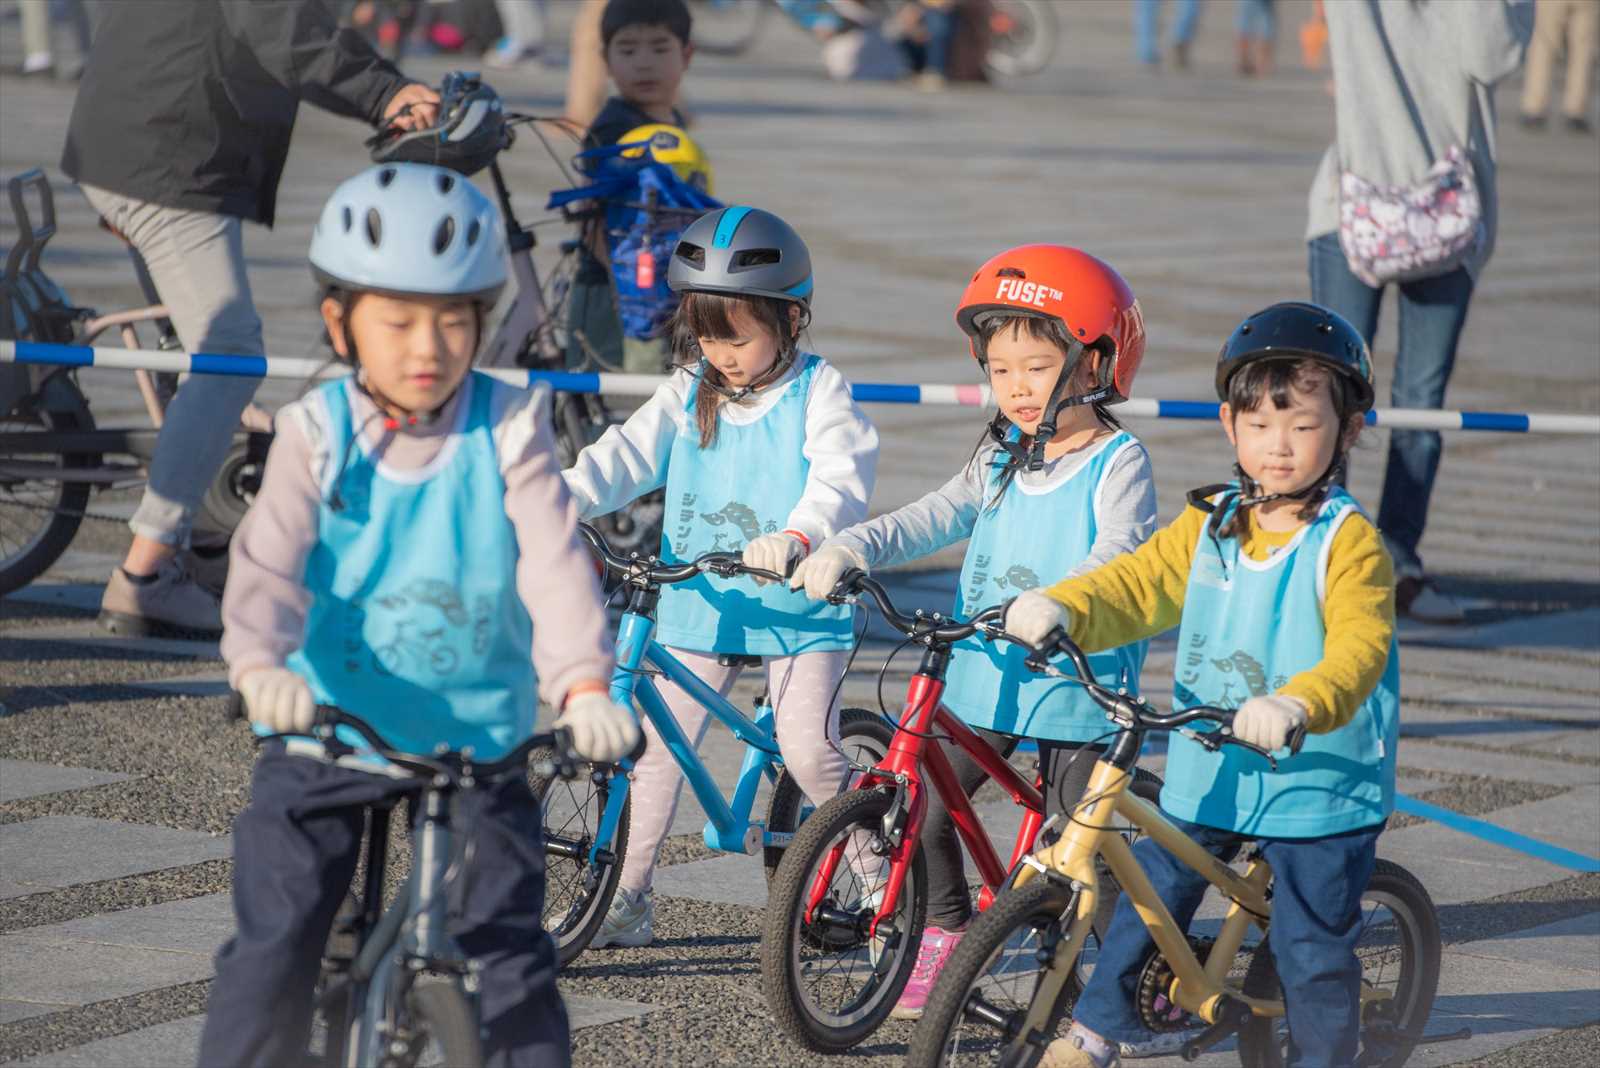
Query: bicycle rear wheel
[(40, 516), (578, 890), (1022, 37), (864, 736), (1399, 953), (976, 1013), (831, 982)]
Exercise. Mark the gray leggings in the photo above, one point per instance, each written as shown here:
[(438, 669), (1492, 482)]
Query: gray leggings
[(196, 260), (949, 901)]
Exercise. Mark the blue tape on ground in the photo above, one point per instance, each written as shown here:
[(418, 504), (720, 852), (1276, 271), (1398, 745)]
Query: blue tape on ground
[(567, 381), (881, 393), (61, 355), (1509, 421), (1499, 836), (211, 363), (1176, 409)]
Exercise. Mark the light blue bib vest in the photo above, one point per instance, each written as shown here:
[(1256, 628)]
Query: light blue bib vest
[(1248, 627), (721, 498), (1033, 537), (415, 625)]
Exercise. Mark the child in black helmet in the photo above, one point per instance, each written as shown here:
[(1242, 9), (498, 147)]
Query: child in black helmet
[(1285, 599)]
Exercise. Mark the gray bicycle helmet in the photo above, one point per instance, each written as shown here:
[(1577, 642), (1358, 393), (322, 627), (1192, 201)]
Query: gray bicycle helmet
[(743, 252)]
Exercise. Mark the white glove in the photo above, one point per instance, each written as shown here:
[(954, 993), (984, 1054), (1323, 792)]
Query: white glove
[(774, 552), (602, 730), (819, 573), (279, 700), (1268, 721), (1033, 616)]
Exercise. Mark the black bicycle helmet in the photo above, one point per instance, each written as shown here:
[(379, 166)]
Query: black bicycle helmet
[(1295, 329), (743, 252), (471, 130)]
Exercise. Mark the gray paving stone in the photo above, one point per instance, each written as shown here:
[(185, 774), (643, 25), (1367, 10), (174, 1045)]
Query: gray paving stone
[(1517, 767), (11, 1010), (1456, 867), (192, 925), (58, 851), (585, 1012), (209, 684), (1571, 945), (732, 879), (88, 635), (1570, 820), (24, 778)]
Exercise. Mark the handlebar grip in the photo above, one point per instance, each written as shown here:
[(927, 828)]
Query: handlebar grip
[(638, 750), (1297, 738), (236, 708)]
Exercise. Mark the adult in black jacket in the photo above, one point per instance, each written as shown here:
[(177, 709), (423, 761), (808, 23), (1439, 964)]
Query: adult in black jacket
[(180, 132)]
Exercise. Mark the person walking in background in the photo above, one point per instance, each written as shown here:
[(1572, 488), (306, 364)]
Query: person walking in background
[(1575, 25), (38, 47), (522, 32), (1147, 31), (1257, 25), (1413, 87)]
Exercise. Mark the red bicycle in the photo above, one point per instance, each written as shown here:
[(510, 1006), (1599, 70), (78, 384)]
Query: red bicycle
[(847, 905)]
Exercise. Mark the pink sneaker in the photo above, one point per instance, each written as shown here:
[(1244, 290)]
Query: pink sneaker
[(937, 945)]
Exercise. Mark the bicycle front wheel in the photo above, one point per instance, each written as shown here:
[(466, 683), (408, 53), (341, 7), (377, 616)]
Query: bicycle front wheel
[(831, 981), (977, 1011), (443, 1028), (1399, 953), (39, 516), (577, 889)]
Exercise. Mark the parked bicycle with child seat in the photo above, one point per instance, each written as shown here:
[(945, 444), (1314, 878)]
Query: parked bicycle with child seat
[(586, 819), (396, 989), (1009, 987), (849, 898)]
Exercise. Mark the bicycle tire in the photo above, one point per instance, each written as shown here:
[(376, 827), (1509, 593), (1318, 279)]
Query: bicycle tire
[(787, 809), (572, 917), (1034, 45), (1388, 1029), (784, 937), (1035, 908), (440, 1009), (54, 522)]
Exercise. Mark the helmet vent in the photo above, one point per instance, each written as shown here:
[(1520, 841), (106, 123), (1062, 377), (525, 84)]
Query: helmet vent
[(442, 236), (374, 227), (474, 228), (347, 218), (1011, 272), (447, 182), (756, 257), (693, 255), (385, 176)]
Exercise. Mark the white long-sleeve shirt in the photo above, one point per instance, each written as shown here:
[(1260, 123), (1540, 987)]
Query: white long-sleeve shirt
[(841, 445)]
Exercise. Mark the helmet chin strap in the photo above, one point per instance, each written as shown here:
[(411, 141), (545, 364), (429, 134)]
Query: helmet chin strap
[(779, 368), (1046, 430), (1250, 495)]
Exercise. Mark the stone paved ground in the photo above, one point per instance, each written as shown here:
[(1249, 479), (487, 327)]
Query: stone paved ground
[(118, 779)]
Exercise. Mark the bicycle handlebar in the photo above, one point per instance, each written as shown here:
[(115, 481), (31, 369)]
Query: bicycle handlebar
[(652, 572)]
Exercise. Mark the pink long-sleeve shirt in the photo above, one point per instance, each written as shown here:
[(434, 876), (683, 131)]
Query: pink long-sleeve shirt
[(265, 606)]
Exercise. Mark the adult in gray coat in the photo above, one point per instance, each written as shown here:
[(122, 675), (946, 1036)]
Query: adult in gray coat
[(1412, 78)]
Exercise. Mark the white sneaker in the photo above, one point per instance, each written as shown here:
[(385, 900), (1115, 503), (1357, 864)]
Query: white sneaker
[(629, 922), (1417, 598), (1157, 1045)]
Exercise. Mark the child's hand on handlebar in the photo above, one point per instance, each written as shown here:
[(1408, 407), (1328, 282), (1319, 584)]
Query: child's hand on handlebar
[(1034, 616), (774, 552), (279, 700), (602, 730), (1269, 721), (414, 107), (820, 572)]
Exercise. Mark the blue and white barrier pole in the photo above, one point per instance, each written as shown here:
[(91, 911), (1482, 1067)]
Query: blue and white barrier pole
[(974, 396)]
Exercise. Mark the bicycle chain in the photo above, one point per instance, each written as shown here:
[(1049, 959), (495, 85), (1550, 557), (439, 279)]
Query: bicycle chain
[(85, 514)]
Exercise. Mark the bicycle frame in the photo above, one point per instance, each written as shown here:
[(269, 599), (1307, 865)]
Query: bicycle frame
[(909, 758), (729, 829)]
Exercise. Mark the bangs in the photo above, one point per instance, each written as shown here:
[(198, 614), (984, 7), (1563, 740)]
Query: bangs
[(714, 315), (1279, 380)]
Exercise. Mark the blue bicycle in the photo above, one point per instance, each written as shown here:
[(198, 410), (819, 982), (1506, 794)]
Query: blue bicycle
[(586, 818)]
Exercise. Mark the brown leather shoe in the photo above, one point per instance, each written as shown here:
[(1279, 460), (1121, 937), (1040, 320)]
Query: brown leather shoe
[(171, 605)]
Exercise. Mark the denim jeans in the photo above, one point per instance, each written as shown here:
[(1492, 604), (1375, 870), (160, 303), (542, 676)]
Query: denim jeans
[(1256, 18), (1316, 918), (1432, 314), (1146, 31)]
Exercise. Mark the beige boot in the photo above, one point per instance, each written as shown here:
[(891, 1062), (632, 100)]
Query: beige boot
[(1068, 1053), (171, 605)]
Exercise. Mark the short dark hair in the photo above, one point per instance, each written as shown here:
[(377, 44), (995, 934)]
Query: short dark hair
[(620, 14)]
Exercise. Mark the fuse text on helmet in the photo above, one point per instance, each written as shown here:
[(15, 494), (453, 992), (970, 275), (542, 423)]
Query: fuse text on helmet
[(1021, 292)]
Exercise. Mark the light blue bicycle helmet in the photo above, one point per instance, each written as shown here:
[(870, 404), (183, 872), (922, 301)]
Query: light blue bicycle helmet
[(410, 229)]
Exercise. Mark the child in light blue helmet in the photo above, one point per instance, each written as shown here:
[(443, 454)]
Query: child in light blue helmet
[(762, 451), (411, 529)]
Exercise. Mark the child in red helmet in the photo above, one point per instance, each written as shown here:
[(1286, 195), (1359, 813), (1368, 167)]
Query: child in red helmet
[(1055, 486)]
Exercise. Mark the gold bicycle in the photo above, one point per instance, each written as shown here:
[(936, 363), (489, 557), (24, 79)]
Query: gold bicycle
[(1007, 991)]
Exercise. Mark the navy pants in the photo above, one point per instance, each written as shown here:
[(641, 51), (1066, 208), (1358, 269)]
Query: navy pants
[(1316, 919), (295, 849), (1433, 312)]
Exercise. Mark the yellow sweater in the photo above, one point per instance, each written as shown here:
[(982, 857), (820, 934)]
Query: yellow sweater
[(1140, 594)]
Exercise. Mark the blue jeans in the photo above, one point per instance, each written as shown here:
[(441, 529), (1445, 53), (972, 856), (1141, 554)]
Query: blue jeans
[(1146, 31), (1433, 312), (1256, 18), (295, 848), (1316, 918)]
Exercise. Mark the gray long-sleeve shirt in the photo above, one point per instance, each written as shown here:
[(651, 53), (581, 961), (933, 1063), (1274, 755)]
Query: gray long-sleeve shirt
[(1410, 79), (1125, 509)]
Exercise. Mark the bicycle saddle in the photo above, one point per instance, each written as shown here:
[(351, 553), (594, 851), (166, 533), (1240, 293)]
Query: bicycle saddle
[(471, 130)]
